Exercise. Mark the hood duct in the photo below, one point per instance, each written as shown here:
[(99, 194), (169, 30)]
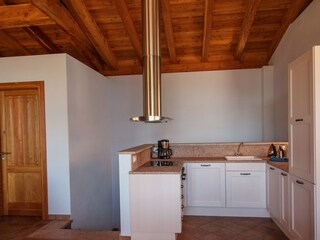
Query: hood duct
[(151, 71)]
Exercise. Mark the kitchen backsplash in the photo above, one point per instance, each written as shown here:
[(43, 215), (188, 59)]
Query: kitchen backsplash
[(259, 149)]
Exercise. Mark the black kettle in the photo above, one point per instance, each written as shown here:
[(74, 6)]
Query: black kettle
[(272, 152)]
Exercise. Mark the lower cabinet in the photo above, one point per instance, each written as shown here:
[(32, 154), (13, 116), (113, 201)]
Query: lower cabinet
[(246, 185), (284, 195), (206, 184), (302, 209), (273, 192), (155, 204)]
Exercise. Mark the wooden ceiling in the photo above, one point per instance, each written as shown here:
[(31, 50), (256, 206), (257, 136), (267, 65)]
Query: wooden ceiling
[(196, 35)]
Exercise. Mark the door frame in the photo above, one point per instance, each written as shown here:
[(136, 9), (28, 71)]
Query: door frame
[(39, 86)]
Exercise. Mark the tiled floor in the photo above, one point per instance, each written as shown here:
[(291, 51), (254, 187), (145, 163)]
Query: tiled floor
[(17, 228), (195, 228), (229, 228)]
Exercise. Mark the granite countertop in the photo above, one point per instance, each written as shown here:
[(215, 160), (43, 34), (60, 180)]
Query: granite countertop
[(281, 165), (146, 169)]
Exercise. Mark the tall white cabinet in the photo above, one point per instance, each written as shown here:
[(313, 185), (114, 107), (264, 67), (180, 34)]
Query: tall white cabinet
[(304, 145)]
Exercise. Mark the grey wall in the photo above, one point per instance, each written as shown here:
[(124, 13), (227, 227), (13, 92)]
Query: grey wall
[(89, 147), (215, 106), (302, 34), (52, 70)]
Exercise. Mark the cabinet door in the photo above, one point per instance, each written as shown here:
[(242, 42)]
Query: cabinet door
[(300, 117), (246, 189), (273, 191), (302, 208), (284, 200), (206, 184)]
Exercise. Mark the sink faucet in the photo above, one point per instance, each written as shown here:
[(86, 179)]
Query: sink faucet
[(238, 151)]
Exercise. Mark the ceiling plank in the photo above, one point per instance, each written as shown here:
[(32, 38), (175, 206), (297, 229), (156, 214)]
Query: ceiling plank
[(248, 20), (42, 39), (56, 11), (80, 12), (166, 17), (22, 15), (293, 12), (129, 25), (11, 43), (89, 57), (207, 28), (59, 14)]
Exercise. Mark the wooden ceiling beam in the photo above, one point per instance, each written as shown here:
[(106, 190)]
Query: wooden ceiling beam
[(89, 57), (293, 12), (80, 12), (22, 15), (189, 67), (62, 17), (166, 17), (247, 23), (42, 39), (59, 14), (207, 28), (130, 28), (13, 44)]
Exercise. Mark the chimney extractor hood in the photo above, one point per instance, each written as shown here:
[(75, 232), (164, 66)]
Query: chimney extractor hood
[(151, 62)]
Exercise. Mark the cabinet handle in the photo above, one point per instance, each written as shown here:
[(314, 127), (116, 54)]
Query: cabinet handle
[(205, 165), (299, 120), (245, 174), (299, 182), (182, 197), (271, 168), (284, 174), (182, 206)]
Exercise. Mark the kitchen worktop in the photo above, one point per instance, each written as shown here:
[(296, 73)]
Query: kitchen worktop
[(281, 165), (146, 169), (199, 152)]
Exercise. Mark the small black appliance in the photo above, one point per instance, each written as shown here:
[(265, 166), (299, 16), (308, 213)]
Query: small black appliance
[(164, 151)]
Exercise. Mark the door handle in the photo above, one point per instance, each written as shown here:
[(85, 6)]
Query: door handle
[(2, 154)]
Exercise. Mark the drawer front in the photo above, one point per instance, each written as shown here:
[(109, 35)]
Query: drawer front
[(261, 166), (206, 165)]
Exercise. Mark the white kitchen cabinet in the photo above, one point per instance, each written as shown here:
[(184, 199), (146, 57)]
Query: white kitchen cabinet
[(304, 143), (278, 197), (302, 209), (246, 185), (155, 206), (273, 192), (206, 184), (301, 145), (284, 195)]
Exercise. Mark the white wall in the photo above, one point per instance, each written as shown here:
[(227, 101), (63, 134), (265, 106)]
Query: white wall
[(52, 70), (302, 34), (90, 147), (215, 106)]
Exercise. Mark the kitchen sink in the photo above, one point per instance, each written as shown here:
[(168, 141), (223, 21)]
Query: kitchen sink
[(242, 158)]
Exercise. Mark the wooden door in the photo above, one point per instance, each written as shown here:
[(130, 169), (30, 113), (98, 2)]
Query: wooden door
[(23, 150)]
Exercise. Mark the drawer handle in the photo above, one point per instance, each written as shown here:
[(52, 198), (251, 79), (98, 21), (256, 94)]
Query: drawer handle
[(284, 174), (271, 168), (299, 120), (299, 182), (205, 165), (245, 174)]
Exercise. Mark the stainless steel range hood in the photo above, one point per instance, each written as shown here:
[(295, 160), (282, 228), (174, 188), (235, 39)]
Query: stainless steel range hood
[(151, 63)]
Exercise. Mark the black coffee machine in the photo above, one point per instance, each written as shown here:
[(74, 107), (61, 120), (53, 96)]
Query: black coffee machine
[(164, 151)]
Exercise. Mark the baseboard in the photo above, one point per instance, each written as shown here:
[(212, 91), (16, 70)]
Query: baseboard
[(226, 212), (59, 217)]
